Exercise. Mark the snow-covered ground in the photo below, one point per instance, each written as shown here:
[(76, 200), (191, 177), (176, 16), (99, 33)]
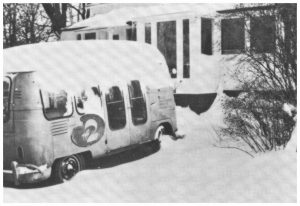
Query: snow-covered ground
[(191, 169)]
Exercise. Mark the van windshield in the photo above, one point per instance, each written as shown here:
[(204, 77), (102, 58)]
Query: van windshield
[(6, 98)]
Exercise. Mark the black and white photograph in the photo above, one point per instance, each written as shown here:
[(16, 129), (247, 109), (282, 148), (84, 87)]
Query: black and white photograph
[(149, 102)]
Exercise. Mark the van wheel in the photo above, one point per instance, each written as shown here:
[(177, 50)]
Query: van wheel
[(158, 133), (66, 168)]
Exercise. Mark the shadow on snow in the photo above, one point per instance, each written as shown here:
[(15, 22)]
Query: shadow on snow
[(106, 162)]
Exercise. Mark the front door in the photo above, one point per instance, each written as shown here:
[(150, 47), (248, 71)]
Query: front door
[(139, 124), (117, 128)]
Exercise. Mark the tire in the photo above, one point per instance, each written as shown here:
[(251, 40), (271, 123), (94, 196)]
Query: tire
[(64, 169), (158, 133)]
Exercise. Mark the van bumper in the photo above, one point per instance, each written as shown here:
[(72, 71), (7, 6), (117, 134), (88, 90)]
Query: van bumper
[(26, 173)]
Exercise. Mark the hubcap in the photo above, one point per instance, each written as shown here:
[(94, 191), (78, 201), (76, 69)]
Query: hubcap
[(70, 167)]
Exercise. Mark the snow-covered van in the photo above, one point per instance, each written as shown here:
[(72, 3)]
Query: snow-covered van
[(66, 101)]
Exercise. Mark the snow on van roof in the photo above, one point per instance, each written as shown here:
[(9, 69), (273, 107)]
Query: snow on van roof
[(77, 64), (119, 17)]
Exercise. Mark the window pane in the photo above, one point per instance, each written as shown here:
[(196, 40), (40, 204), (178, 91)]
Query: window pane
[(116, 37), (138, 103), (206, 36), (233, 36), (57, 105), (148, 33), (186, 48), (262, 34), (90, 36), (115, 108), (131, 33), (78, 36), (6, 98), (166, 43), (89, 102)]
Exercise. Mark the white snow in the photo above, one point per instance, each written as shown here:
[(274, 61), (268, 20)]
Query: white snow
[(186, 170), (292, 144), (101, 62), (119, 17)]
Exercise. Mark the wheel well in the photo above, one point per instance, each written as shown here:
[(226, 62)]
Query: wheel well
[(87, 156), (167, 128)]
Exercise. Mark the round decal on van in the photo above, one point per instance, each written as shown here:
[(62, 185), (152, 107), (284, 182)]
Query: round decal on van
[(90, 132)]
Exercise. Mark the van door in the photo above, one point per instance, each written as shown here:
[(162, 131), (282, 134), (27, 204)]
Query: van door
[(118, 128), (139, 124)]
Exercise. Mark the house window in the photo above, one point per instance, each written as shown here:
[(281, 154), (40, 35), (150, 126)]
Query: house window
[(206, 36), (148, 33), (78, 37), (186, 48), (56, 104), (115, 108), (233, 36), (137, 103), (131, 32), (88, 12), (88, 36), (116, 37), (166, 43), (262, 34)]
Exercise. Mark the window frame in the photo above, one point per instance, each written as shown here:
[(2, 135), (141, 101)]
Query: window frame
[(233, 51), (90, 33), (9, 100), (106, 105), (148, 33), (186, 50), (263, 50), (160, 24), (62, 117), (131, 32), (203, 49), (131, 106), (116, 37)]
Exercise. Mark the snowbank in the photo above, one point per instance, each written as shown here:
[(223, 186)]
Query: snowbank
[(186, 170)]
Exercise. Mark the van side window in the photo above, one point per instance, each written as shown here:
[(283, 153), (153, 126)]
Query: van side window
[(115, 108), (56, 104), (138, 103), (6, 98), (88, 101)]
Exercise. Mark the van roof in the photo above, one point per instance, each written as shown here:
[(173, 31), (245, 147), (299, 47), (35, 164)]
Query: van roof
[(81, 63)]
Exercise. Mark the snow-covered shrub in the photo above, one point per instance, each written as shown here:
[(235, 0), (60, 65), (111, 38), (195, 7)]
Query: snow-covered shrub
[(269, 79), (257, 118)]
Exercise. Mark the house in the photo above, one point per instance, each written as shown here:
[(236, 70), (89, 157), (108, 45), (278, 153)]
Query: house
[(200, 42)]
